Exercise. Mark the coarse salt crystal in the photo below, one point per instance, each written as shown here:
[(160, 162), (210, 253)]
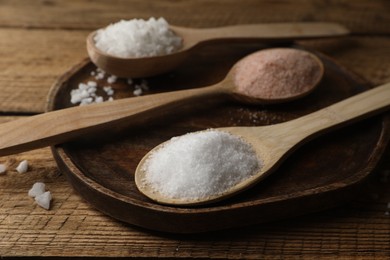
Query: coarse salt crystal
[(109, 91), (3, 168), (22, 167), (99, 99), (111, 79), (199, 165), (86, 101), (92, 84), (137, 91), (37, 189), (100, 75), (138, 38), (44, 199)]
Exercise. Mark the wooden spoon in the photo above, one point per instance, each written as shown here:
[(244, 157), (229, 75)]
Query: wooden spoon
[(67, 124), (273, 143), (151, 66)]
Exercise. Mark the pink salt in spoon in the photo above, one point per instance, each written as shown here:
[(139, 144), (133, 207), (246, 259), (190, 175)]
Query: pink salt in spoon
[(268, 76), (271, 145)]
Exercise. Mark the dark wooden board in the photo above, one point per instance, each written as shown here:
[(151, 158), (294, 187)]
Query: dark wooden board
[(321, 174)]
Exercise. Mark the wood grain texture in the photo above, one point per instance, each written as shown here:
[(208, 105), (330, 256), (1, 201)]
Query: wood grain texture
[(359, 16), (40, 39), (30, 62)]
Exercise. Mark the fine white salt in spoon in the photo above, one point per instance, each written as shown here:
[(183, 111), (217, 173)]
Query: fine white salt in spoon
[(271, 144), (192, 38), (276, 75)]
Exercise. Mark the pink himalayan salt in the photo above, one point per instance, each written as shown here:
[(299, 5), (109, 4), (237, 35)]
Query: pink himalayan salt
[(276, 73)]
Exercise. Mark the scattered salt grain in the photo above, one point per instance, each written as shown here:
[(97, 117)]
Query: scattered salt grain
[(137, 91), (100, 74), (138, 38), (109, 91), (92, 84), (98, 99), (3, 168), (22, 167), (85, 94), (37, 189), (44, 199), (199, 165), (129, 81), (111, 79), (86, 101)]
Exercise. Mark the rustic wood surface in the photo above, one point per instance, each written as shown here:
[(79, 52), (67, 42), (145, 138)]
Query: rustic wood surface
[(40, 40)]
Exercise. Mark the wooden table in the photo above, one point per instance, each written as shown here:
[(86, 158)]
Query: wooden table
[(41, 39)]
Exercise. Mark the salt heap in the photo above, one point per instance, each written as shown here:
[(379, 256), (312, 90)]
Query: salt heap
[(199, 165), (138, 38)]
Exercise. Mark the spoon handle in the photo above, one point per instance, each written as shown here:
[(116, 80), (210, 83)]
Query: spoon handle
[(349, 110), (67, 124), (271, 32)]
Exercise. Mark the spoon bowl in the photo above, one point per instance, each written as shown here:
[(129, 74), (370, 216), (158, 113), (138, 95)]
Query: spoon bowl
[(193, 38), (134, 67), (272, 144)]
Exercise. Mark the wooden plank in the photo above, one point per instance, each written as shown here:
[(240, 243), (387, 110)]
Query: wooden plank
[(31, 61), (360, 16)]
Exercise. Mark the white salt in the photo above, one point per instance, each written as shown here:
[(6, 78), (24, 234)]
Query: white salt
[(86, 101), (100, 75), (138, 38), (44, 199), (137, 91), (199, 165), (85, 94), (98, 99), (92, 84), (3, 168), (111, 79), (109, 91), (37, 189), (22, 167)]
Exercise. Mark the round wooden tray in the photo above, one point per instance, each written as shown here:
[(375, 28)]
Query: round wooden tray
[(321, 174)]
